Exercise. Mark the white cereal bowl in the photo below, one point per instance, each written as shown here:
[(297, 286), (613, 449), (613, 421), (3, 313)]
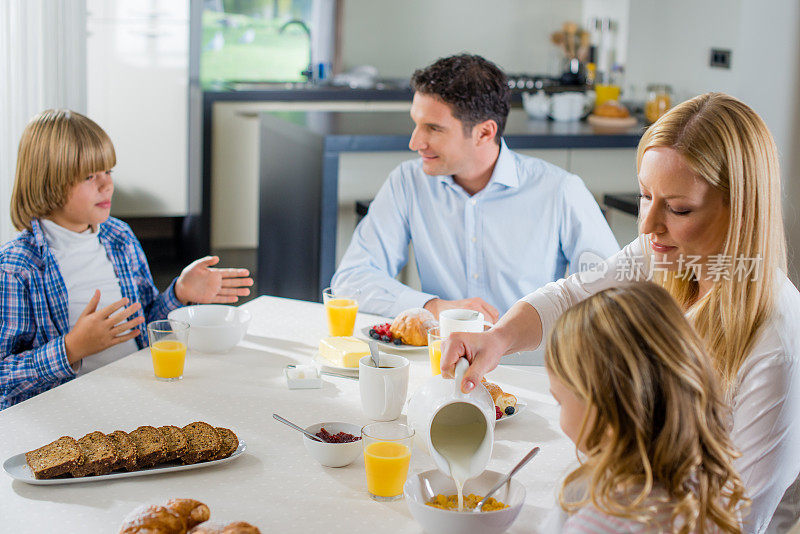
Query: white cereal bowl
[(438, 521), (213, 328), (334, 454)]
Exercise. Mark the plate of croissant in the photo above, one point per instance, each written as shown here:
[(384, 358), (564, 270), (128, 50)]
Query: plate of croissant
[(506, 405), (407, 332)]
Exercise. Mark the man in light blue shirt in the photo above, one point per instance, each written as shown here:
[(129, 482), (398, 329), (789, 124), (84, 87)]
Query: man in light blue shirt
[(488, 225)]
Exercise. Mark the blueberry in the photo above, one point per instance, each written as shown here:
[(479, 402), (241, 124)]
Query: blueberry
[(386, 339), (509, 410), (372, 332), (397, 341)]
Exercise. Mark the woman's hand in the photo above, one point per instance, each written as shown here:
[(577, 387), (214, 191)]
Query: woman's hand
[(201, 283), (96, 330)]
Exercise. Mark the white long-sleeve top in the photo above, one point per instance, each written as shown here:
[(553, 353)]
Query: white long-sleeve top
[(766, 396)]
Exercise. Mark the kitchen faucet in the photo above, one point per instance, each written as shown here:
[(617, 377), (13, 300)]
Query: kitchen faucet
[(309, 72)]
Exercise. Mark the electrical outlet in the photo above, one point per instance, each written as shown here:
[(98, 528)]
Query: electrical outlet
[(720, 58)]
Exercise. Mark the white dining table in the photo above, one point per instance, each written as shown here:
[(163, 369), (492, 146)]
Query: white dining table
[(274, 484)]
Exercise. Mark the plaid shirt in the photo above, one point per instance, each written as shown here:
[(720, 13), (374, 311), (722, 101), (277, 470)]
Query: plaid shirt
[(33, 307)]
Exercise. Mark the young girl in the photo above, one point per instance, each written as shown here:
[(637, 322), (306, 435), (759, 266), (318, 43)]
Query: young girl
[(644, 407), (76, 291)]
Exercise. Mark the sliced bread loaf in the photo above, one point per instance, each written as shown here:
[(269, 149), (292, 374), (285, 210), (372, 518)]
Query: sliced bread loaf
[(125, 449), (56, 458), (204, 442), (99, 455), (151, 447), (229, 442), (176, 442)]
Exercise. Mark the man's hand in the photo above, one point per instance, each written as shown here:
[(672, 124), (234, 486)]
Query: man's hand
[(200, 283), (482, 350), (436, 306), (96, 330)]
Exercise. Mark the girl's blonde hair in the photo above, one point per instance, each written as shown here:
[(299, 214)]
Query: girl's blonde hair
[(729, 146), (58, 149), (655, 416)]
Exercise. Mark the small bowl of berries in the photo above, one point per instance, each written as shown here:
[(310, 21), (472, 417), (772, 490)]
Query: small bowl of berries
[(341, 443)]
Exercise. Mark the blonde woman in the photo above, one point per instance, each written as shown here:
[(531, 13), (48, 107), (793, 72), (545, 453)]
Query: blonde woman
[(712, 235), (76, 287), (641, 402)]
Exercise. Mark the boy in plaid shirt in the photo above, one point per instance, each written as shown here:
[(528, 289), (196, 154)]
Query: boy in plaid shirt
[(75, 287)]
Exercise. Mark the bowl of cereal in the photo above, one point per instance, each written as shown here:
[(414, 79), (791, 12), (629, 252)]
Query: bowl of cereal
[(341, 443), (430, 497)]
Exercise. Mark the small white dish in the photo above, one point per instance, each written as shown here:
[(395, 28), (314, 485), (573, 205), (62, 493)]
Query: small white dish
[(438, 521), (391, 346), (520, 407), (327, 364), (18, 469), (302, 377), (213, 328), (334, 454)]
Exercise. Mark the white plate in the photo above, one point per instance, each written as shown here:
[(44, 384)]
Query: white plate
[(392, 346), (327, 364), (17, 468), (521, 405)]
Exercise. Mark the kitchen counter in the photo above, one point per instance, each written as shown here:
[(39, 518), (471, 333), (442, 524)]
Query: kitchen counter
[(274, 484), (299, 170)]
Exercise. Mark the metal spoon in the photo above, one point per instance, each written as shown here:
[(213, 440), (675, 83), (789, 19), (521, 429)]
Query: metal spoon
[(528, 457), (285, 422), (373, 350)]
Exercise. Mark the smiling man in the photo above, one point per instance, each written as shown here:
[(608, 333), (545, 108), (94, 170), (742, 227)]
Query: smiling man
[(488, 225)]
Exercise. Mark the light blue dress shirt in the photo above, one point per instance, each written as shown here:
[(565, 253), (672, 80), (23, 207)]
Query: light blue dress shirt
[(531, 221)]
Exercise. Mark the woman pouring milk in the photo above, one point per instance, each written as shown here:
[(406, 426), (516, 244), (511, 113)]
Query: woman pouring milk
[(711, 235)]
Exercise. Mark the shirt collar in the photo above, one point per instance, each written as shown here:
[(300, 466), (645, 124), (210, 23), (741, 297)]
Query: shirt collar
[(504, 173)]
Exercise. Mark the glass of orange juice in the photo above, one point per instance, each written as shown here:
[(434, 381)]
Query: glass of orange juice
[(341, 308), (387, 453), (168, 348), (435, 350)]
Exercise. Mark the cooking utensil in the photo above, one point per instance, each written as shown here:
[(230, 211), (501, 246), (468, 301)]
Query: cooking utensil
[(373, 350), (285, 422), (528, 457)]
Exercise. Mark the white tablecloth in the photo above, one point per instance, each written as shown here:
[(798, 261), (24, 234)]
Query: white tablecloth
[(275, 485)]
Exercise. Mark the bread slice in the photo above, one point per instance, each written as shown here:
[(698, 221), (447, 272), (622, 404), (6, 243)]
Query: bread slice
[(151, 447), (99, 455), (176, 442), (125, 449), (229, 442), (204, 442), (54, 459)]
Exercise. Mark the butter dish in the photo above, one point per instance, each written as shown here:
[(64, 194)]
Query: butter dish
[(303, 377)]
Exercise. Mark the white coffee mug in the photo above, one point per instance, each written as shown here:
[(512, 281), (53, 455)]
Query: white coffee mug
[(384, 388), (568, 106), (461, 321)]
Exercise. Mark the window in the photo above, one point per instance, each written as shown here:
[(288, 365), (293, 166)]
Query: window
[(243, 41)]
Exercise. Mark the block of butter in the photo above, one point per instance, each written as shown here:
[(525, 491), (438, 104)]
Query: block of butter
[(343, 351)]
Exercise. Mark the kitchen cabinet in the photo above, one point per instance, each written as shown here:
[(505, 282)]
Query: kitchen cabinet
[(137, 91)]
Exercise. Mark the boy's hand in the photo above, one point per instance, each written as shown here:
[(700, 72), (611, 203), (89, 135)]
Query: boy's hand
[(205, 285), (97, 330)]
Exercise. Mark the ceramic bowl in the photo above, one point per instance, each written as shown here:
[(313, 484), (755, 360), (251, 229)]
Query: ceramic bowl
[(418, 488), (213, 328), (334, 454)]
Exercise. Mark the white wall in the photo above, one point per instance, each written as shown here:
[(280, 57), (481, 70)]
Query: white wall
[(401, 36)]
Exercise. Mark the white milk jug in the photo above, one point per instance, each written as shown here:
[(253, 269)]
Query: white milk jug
[(457, 427)]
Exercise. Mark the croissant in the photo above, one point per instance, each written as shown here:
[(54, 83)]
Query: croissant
[(501, 399), (238, 527), (193, 512), (153, 519), (411, 326)]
